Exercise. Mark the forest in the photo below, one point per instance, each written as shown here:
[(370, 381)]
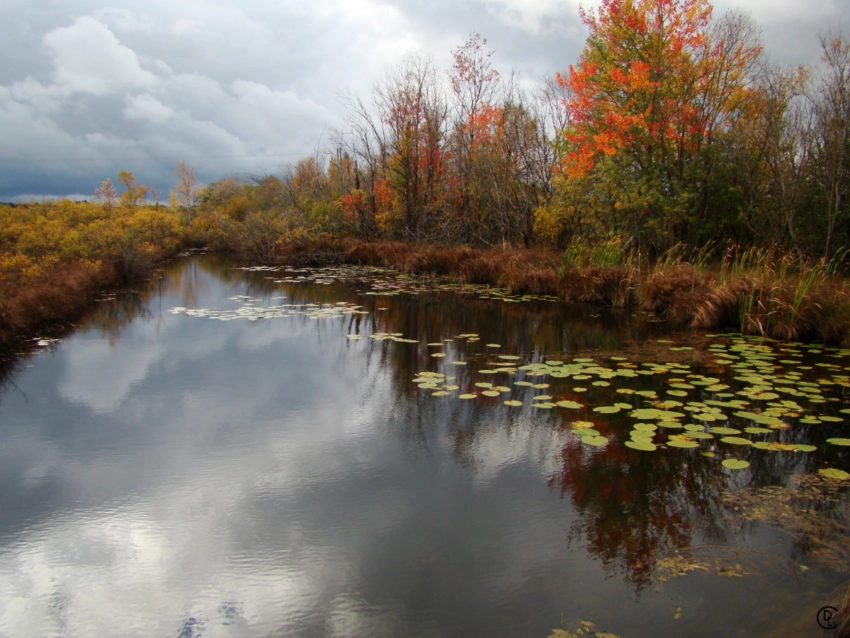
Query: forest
[(671, 168)]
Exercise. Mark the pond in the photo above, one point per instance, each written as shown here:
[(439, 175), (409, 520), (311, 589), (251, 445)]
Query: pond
[(343, 452)]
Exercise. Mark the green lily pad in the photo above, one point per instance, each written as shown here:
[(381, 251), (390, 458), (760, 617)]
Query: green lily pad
[(585, 432), (491, 393), (700, 435), (683, 443), (606, 409), (834, 473), (513, 403), (467, 396), (645, 427), (670, 425), (595, 441), (642, 444), (735, 464), (803, 447), (736, 440), (838, 441), (570, 405)]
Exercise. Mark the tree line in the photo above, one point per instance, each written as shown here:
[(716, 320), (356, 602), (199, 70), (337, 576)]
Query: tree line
[(671, 128)]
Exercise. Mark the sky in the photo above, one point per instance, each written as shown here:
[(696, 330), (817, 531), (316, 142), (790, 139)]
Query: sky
[(246, 88)]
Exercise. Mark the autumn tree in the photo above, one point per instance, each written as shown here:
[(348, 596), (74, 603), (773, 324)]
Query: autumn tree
[(474, 82), (107, 193), (133, 191), (657, 82), (414, 114), (185, 192), (829, 141)]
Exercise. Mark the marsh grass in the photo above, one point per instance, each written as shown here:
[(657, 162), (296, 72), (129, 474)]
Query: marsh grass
[(54, 259)]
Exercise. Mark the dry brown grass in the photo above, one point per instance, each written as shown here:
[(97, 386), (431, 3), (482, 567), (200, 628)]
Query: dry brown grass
[(54, 296)]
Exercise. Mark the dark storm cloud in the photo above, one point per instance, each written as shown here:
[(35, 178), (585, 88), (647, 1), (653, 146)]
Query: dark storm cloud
[(88, 89)]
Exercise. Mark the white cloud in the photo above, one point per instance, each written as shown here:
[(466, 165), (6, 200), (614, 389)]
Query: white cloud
[(147, 107), (164, 81), (88, 58)]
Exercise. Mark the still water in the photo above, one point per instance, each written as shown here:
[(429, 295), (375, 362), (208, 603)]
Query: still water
[(272, 453)]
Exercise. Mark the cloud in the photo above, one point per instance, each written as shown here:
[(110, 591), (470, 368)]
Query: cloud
[(88, 89), (88, 58)]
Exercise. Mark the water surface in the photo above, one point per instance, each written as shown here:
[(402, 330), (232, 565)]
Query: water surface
[(245, 453)]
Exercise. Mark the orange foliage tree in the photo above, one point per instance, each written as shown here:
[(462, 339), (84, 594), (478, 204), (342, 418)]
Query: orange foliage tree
[(657, 84)]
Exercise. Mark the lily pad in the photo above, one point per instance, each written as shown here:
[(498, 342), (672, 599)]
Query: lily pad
[(595, 441), (585, 432), (736, 440), (683, 443), (834, 473), (467, 396), (570, 405), (513, 403), (735, 464), (838, 441), (606, 409), (642, 444)]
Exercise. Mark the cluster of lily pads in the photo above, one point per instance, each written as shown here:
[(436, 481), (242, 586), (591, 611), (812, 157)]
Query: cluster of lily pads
[(251, 311), (385, 282), (695, 403)]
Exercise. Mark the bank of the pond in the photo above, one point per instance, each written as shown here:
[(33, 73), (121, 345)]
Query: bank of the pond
[(756, 293), (56, 258)]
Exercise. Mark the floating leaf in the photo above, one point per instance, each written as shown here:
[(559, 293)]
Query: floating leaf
[(606, 409), (642, 444), (585, 432), (834, 473), (803, 447), (491, 393), (467, 396), (513, 403), (645, 427), (570, 405), (735, 464), (838, 441), (736, 440), (683, 443), (595, 441)]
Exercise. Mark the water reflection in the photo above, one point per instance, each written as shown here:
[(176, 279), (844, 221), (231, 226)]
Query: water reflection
[(162, 474)]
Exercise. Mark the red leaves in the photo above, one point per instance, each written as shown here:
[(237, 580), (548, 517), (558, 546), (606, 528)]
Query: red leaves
[(643, 80)]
